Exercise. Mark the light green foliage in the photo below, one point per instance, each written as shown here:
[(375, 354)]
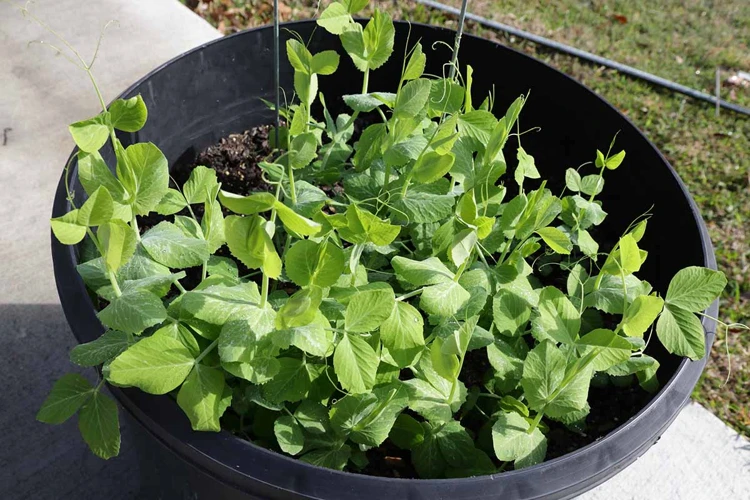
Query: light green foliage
[(338, 311)]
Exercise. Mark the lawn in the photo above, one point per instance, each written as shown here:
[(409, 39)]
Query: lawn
[(681, 40)]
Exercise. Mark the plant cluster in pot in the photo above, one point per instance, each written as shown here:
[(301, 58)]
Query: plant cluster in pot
[(395, 293)]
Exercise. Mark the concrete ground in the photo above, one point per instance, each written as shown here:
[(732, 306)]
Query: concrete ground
[(40, 93)]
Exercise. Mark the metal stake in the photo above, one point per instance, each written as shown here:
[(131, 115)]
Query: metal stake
[(457, 42), (276, 79)]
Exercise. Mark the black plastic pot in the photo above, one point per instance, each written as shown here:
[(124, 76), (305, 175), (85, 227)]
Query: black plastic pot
[(214, 90)]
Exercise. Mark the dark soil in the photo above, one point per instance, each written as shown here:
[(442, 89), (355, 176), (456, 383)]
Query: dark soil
[(235, 159)]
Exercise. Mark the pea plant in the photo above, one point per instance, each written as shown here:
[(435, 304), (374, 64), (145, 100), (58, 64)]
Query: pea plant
[(346, 321)]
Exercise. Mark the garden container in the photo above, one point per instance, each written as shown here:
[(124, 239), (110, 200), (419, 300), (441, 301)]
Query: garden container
[(216, 89)]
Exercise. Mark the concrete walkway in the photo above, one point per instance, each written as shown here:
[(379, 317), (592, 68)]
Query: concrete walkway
[(40, 94)]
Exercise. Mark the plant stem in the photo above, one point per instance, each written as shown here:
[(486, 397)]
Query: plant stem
[(134, 225), (264, 291), (290, 173), (365, 81), (410, 294), (206, 351), (115, 285), (536, 421)]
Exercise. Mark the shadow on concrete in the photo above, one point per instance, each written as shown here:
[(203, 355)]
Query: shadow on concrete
[(39, 461)]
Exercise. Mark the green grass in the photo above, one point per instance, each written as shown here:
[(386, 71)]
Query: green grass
[(681, 40)]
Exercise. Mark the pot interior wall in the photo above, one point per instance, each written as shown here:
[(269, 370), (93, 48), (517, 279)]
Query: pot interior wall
[(216, 91)]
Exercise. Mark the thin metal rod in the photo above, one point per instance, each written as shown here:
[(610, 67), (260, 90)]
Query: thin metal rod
[(457, 42), (587, 56), (276, 78)]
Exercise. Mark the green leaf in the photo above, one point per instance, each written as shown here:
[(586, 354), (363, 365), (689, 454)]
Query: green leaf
[(66, 228), (363, 226), (403, 333), (155, 365), (422, 207), (557, 317), (335, 19), (610, 296), (355, 363), (681, 332), (510, 313), (178, 331), (407, 433), (695, 288), (415, 66), (443, 299), (149, 167), (507, 359), (573, 180), (90, 135), (200, 397), (68, 394), (172, 202), (303, 150), (463, 244), (427, 458), (101, 350), (97, 209), (556, 239), (543, 372), (412, 98), (210, 308), (201, 183), (300, 309), (513, 442), (369, 307), (118, 242), (100, 426), (370, 48), (289, 434), (249, 242), (420, 273), (592, 185), (325, 63), (367, 419), (293, 380), (429, 392), (247, 205), (611, 348), (129, 115), (93, 173), (477, 124), (167, 244), (295, 222), (446, 96), (246, 349), (318, 263), (641, 314), (335, 457), (446, 364), (365, 103), (456, 445), (133, 311), (526, 167), (630, 255), (432, 166), (613, 161), (313, 417)]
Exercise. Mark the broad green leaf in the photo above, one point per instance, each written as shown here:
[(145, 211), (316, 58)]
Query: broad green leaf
[(641, 314), (415, 66), (573, 180), (592, 185), (167, 244), (543, 372), (477, 125), (303, 150), (155, 365), (295, 222), (247, 351), (610, 296), (66, 228), (101, 350), (443, 299), (335, 18), (556, 239), (458, 342), (695, 288), (200, 184), (118, 243), (427, 458), (647, 378), (335, 457), (429, 392), (90, 135), (210, 308), (510, 313), (325, 63), (93, 173), (611, 349), (446, 96), (355, 363), (289, 434), (630, 255), (178, 331), (430, 271), (368, 102), (363, 226), (432, 166), (369, 308), (526, 167), (133, 311), (97, 209), (172, 202), (100, 426), (367, 419), (412, 98), (445, 364), (149, 167), (249, 242), (293, 380), (403, 333), (300, 309), (370, 48), (299, 57), (681, 332), (200, 397), (614, 161), (557, 317), (463, 244), (407, 433), (313, 416), (247, 205), (422, 207), (128, 115), (507, 359), (68, 394), (318, 263), (513, 442), (222, 266), (456, 445)]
